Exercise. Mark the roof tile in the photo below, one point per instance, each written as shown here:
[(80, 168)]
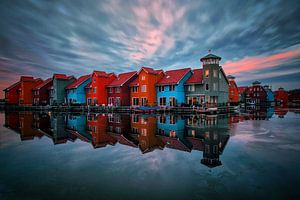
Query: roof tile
[(196, 78), (173, 76)]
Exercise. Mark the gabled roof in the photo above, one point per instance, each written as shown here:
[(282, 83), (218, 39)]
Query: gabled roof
[(78, 82), (88, 85), (43, 84), (26, 78), (173, 76), (150, 70), (196, 78), (17, 84), (210, 56), (60, 76), (135, 82), (103, 74), (122, 79)]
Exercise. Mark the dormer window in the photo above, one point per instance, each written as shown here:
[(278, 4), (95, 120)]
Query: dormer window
[(206, 73), (143, 78)]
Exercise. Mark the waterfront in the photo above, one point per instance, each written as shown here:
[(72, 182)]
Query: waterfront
[(251, 155)]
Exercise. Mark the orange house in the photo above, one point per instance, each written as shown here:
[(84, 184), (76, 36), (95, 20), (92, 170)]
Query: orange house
[(143, 88), (25, 91), (145, 128), (233, 91), (96, 92)]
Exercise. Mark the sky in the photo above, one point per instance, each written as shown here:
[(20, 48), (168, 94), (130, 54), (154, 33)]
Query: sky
[(257, 40)]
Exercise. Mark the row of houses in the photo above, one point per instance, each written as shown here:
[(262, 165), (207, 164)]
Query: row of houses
[(146, 87), (257, 94)]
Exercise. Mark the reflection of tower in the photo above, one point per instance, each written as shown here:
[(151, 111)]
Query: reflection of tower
[(213, 147)]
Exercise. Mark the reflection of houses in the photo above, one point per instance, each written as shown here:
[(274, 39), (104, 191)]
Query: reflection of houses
[(281, 112), (208, 134), (12, 121), (281, 96), (76, 125), (170, 128), (27, 130), (145, 128), (97, 126), (259, 112)]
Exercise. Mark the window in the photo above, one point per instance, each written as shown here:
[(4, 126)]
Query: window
[(215, 149), (143, 78), (206, 86), (118, 90), (173, 119), (172, 101), (144, 101), (118, 130), (191, 88), (162, 101), (110, 118), (95, 101), (135, 101), (144, 88), (206, 73), (95, 80), (95, 128), (135, 118), (118, 119), (215, 73), (110, 100), (161, 88), (162, 119), (171, 87), (214, 86), (220, 75), (95, 89), (207, 149), (134, 89), (110, 90), (144, 132)]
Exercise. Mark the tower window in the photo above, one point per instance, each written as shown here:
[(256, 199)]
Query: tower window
[(206, 87), (206, 73), (215, 73)]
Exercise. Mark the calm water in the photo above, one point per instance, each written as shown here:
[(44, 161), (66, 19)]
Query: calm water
[(254, 155)]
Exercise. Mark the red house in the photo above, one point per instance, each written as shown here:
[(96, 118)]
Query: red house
[(96, 92), (256, 94), (233, 91), (12, 93), (242, 93), (281, 96), (119, 90), (25, 91), (41, 92)]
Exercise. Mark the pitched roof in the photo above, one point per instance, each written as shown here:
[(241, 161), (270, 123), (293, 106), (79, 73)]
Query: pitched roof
[(39, 86), (151, 70), (26, 78), (173, 76), (122, 79), (60, 76), (210, 56), (103, 73), (196, 78), (78, 82), (135, 82), (12, 86)]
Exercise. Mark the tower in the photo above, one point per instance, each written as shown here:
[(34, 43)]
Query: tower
[(214, 79)]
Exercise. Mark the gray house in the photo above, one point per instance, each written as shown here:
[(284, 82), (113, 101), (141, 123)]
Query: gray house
[(208, 85), (57, 92)]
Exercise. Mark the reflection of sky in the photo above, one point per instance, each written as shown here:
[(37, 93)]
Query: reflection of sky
[(258, 161), (257, 38)]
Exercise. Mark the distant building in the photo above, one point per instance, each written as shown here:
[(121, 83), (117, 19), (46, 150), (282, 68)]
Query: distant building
[(233, 91), (143, 88), (119, 90), (170, 89), (12, 94), (281, 96), (41, 92), (242, 93), (294, 96), (96, 92), (76, 90), (58, 90), (270, 95), (256, 94)]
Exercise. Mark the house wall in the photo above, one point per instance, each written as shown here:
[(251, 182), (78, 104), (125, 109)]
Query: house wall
[(78, 95), (233, 92), (178, 93), (12, 96), (26, 95), (43, 94), (59, 92)]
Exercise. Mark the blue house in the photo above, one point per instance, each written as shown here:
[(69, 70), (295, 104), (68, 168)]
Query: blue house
[(270, 95), (170, 89), (171, 129), (76, 90)]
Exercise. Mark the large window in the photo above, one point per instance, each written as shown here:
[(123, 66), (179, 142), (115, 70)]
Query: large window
[(134, 89), (144, 101), (95, 89), (171, 87), (135, 101), (143, 78), (162, 101), (172, 101), (215, 73), (118, 90), (144, 88), (191, 88), (206, 73), (110, 100), (161, 88)]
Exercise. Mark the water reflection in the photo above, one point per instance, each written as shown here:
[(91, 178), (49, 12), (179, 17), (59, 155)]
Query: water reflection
[(208, 134)]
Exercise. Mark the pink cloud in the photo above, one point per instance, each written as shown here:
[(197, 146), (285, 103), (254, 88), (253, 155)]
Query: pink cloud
[(259, 62)]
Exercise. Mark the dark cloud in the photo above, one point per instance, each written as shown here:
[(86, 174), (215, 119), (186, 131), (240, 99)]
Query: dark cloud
[(75, 37)]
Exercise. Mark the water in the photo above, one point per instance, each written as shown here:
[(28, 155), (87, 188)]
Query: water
[(254, 155)]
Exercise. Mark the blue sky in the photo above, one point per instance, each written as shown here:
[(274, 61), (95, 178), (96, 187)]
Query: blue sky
[(257, 40)]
